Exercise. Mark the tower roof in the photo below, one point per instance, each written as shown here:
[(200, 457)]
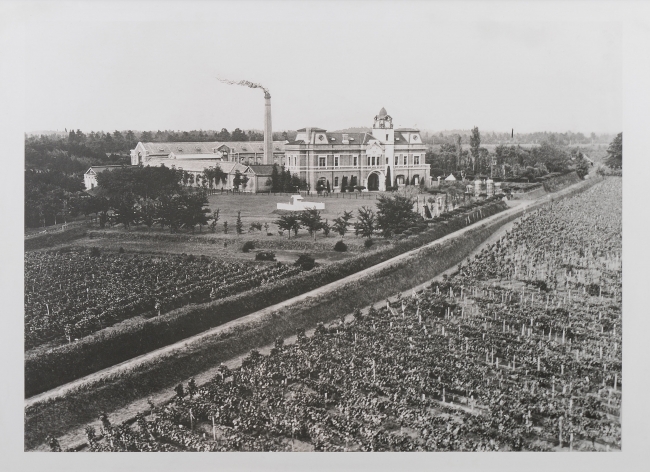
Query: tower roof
[(382, 112)]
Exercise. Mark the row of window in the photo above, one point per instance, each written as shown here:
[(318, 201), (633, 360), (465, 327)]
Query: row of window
[(371, 160), (399, 179)]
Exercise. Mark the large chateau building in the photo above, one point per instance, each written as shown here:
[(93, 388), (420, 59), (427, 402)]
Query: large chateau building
[(385, 156)]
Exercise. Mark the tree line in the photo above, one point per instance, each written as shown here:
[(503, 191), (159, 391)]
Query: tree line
[(506, 162)]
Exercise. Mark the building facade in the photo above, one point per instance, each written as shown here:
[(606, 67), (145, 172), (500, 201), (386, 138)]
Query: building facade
[(385, 156), (194, 157), (90, 177)]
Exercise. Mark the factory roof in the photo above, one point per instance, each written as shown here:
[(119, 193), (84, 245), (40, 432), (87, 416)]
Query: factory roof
[(193, 148)]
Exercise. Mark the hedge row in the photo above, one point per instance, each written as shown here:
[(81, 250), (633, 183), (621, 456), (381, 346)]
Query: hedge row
[(52, 239), (562, 181), (44, 371)]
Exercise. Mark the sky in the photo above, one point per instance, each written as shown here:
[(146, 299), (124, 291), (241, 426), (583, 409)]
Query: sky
[(332, 65)]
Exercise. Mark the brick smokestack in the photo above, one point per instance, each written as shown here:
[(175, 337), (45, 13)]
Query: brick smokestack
[(268, 130)]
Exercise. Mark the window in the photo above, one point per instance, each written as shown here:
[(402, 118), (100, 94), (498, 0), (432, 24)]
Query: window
[(387, 161), (400, 180), (386, 137), (406, 160), (416, 180), (295, 160), (336, 181), (356, 161), (416, 160), (396, 160), (373, 160), (321, 161), (368, 157), (336, 161)]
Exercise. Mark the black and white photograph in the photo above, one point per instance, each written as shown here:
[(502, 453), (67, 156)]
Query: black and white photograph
[(339, 227)]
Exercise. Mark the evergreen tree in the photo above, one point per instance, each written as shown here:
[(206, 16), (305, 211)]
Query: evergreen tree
[(615, 152), (475, 144), (366, 222), (239, 226)]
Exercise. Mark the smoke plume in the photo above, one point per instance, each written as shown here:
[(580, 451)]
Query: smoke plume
[(244, 83)]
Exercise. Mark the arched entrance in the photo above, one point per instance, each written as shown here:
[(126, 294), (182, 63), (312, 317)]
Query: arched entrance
[(373, 182)]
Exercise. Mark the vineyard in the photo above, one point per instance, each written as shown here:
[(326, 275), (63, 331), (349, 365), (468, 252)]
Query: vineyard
[(99, 290), (518, 350)]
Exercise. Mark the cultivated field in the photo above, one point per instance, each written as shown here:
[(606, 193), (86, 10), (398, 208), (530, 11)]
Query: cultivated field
[(70, 294), (520, 350)]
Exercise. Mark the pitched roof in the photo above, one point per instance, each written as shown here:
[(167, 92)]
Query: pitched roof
[(383, 112), (412, 130), (312, 128), (98, 169), (160, 149), (337, 138), (261, 169)]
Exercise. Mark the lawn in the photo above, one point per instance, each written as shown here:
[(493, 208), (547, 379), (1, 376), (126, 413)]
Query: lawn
[(228, 246)]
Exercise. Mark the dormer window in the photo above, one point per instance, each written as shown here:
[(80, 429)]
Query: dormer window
[(198, 148), (161, 148)]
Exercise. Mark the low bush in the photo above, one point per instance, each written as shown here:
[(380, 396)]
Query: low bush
[(265, 256), (248, 245), (305, 262), (95, 252), (340, 246), (368, 243)]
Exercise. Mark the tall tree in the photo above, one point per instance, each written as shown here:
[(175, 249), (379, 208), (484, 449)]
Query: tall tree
[(395, 214), (615, 152), (475, 144)]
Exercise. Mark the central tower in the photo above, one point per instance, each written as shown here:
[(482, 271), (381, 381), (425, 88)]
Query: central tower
[(382, 130)]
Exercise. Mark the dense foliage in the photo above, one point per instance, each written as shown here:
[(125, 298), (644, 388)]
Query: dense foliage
[(615, 152), (395, 214), (509, 162)]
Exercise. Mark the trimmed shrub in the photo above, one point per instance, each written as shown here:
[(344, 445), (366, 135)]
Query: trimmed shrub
[(121, 250), (340, 246), (248, 245), (265, 256), (368, 243), (94, 252), (305, 262)]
